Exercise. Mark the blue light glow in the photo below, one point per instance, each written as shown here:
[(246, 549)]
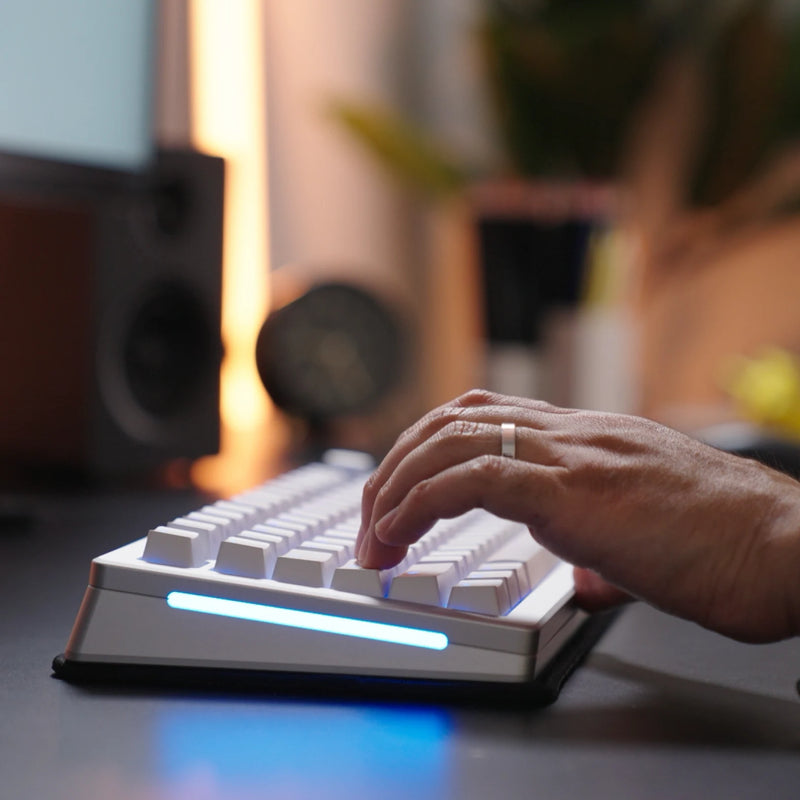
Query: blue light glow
[(335, 750), (308, 620)]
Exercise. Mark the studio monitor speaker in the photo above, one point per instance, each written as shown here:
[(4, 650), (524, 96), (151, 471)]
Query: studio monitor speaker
[(110, 319)]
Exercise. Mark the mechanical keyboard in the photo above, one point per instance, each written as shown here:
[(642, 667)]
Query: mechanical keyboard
[(264, 585)]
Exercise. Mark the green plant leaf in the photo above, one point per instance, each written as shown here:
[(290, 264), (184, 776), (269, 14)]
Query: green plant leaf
[(405, 150)]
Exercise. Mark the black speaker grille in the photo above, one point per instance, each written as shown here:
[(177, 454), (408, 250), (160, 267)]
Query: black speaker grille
[(169, 350)]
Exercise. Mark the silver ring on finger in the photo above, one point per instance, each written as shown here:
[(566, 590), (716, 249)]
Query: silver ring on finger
[(508, 440)]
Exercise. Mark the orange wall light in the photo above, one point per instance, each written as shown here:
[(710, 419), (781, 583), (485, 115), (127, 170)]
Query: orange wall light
[(228, 103)]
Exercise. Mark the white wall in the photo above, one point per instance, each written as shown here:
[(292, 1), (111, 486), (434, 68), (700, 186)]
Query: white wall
[(330, 206), (330, 203)]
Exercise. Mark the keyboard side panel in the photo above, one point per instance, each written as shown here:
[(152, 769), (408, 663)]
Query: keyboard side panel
[(523, 631), (121, 627)]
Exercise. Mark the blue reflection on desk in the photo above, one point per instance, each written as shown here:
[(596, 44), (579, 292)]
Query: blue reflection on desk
[(310, 750)]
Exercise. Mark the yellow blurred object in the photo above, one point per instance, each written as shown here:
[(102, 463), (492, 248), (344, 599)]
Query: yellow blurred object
[(767, 389)]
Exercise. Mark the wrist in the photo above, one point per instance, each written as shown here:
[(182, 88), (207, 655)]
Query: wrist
[(782, 543)]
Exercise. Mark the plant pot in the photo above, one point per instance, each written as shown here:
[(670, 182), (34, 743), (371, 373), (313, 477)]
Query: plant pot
[(534, 243)]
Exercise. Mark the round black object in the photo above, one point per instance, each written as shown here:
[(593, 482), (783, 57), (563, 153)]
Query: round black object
[(168, 350), (336, 350)]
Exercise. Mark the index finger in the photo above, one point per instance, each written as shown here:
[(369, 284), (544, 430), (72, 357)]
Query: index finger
[(514, 490)]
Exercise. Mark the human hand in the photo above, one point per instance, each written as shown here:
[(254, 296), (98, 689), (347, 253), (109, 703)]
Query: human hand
[(641, 510)]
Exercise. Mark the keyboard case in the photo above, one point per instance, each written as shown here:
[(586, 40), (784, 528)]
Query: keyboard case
[(195, 626)]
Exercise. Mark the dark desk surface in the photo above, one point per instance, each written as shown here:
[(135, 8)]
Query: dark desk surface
[(662, 709)]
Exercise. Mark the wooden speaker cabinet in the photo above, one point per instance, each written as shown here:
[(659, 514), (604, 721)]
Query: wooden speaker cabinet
[(109, 321)]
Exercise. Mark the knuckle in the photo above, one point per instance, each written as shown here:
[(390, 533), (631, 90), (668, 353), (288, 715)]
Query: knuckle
[(443, 415), (418, 495), (420, 429), (458, 428), (383, 499), (544, 406), (407, 435), (433, 421), (489, 467), (442, 418), (371, 486), (476, 397)]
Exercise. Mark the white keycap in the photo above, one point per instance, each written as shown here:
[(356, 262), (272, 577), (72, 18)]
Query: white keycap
[(350, 577), (341, 536), (174, 547), (236, 519), (305, 567), (210, 535), (269, 501), (308, 523), (246, 557), (461, 559), (251, 515), (213, 519), (511, 578), (243, 508), (517, 567), (282, 544), (537, 561), (481, 595), (302, 530), (343, 551), (477, 547), (429, 584), (294, 538), (349, 525)]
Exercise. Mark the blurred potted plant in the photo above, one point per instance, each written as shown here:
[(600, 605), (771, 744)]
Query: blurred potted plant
[(565, 79), (688, 106), (714, 180)]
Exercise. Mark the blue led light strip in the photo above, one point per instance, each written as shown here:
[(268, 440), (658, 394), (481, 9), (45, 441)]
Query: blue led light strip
[(308, 620)]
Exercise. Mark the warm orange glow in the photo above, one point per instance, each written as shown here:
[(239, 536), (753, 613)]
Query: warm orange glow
[(229, 119)]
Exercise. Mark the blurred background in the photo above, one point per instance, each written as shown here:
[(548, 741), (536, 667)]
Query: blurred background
[(235, 234)]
